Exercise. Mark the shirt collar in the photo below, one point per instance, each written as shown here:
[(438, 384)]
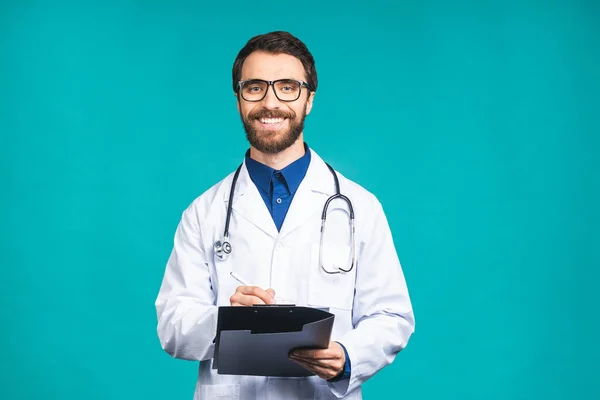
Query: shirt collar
[(293, 174)]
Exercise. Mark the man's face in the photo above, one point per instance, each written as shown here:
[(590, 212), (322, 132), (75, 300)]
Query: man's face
[(273, 125)]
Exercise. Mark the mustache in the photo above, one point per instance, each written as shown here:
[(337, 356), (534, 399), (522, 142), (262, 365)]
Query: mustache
[(272, 114)]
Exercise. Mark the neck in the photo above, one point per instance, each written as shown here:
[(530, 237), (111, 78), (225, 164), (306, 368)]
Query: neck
[(282, 159)]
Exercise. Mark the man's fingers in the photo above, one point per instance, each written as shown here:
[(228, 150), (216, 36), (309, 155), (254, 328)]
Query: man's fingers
[(335, 364), (251, 295), (243, 300), (308, 353), (321, 372), (316, 354), (265, 296), (313, 363)]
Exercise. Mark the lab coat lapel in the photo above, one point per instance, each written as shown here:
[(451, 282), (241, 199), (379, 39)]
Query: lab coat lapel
[(311, 195), (248, 203)]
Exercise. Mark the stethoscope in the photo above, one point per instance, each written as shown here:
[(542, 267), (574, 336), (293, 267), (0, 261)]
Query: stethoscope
[(223, 248)]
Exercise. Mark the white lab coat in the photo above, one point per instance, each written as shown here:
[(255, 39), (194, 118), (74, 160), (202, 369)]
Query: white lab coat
[(373, 312)]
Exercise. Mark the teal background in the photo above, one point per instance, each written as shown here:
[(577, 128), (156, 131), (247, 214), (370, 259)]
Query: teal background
[(475, 123)]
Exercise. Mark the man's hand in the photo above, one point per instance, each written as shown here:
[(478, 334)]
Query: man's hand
[(325, 363), (250, 295)]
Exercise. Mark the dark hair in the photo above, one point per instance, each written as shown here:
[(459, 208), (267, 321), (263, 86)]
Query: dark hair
[(277, 43)]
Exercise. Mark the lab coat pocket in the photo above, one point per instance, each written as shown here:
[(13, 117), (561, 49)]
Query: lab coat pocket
[(219, 392), (331, 289)]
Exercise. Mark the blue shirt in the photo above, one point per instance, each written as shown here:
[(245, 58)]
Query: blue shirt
[(277, 188)]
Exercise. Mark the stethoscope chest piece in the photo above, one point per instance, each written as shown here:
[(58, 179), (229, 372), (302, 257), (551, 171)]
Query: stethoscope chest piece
[(222, 248)]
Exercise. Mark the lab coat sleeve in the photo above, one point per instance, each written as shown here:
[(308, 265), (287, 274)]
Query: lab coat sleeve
[(382, 312), (186, 302)]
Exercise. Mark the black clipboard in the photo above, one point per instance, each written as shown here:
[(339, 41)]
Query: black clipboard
[(257, 340)]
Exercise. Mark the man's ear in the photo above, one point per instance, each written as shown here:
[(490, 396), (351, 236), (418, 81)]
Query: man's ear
[(309, 102), (238, 100)]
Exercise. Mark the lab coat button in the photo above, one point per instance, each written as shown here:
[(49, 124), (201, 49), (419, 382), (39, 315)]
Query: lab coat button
[(278, 200)]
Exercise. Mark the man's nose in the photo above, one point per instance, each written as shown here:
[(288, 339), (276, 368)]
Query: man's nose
[(271, 101)]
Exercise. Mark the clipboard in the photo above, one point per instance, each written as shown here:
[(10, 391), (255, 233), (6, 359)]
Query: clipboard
[(257, 340)]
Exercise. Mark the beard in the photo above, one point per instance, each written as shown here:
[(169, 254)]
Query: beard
[(273, 141)]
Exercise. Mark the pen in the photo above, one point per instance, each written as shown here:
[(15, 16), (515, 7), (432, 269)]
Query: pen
[(240, 280), (243, 282)]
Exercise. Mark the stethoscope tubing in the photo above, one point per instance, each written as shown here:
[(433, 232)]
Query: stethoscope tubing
[(223, 247)]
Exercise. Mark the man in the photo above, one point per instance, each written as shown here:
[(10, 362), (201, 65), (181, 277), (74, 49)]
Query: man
[(275, 236)]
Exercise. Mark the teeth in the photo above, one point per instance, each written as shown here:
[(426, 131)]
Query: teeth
[(271, 120)]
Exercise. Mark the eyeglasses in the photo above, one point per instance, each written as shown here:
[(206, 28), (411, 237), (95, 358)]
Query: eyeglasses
[(284, 89)]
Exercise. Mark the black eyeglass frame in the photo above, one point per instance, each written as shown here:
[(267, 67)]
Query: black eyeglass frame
[(272, 83)]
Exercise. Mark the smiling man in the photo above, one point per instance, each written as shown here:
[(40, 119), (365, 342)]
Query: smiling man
[(270, 128), (275, 240), (273, 119)]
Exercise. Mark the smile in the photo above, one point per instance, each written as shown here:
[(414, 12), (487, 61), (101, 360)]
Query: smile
[(271, 120), (272, 123)]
